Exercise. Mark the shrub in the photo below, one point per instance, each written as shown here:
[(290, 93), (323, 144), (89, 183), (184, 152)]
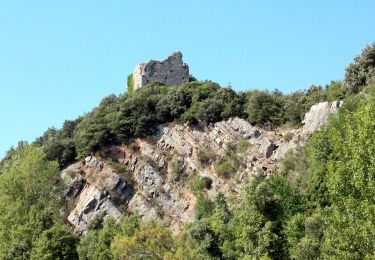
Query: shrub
[(201, 183), (225, 169), (55, 243), (130, 83), (176, 168), (266, 109), (243, 146), (118, 167), (204, 206), (335, 91), (205, 156)]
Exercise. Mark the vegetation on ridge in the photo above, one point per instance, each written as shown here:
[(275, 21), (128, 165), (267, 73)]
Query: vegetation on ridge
[(137, 114), (319, 205)]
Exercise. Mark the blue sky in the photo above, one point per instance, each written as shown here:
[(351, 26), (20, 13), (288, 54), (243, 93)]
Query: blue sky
[(58, 59)]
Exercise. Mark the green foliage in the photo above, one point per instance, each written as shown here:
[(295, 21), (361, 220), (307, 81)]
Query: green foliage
[(204, 206), (95, 131), (150, 240), (335, 91), (29, 205), (55, 243), (266, 109), (139, 113), (59, 145), (130, 83), (296, 105), (176, 168), (340, 180), (227, 165), (210, 230), (206, 237), (350, 178), (97, 222), (97, 243), (305, 235), (205, 157), (130, 239), (199, 184), (257, 225), (225, 169), (362, 71), (319, 150), (294, 166)]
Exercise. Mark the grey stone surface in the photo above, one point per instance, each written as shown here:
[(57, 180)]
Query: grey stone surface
[(74, 188), (94, 163), (284, 148), (319, 114), (150, 189), (244, 128), (91, 202), (171, 71), (267, 147), (149, 180)]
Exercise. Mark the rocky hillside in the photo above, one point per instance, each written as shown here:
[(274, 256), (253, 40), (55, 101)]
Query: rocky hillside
[(220, 174), (155, 176)]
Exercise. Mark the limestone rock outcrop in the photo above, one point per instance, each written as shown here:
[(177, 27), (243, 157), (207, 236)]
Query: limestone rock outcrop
[(92, 203), (92, 189), (319, 114), (171, 71), (153, 179)]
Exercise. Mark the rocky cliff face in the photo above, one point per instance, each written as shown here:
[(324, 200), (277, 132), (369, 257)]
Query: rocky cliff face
[(152, 176)]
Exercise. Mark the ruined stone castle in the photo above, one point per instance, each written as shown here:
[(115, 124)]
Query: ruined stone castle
[(171, 71)]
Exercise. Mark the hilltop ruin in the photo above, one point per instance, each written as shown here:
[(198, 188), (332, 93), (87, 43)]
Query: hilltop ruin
[(171, 71)]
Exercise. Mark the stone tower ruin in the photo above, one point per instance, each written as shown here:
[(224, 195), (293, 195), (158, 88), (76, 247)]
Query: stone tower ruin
[(171, 71)]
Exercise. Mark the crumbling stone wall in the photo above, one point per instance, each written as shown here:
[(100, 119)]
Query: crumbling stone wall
[(171, 71)]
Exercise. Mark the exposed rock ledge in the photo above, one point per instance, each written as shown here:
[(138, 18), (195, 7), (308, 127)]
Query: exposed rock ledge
[(96, 189)]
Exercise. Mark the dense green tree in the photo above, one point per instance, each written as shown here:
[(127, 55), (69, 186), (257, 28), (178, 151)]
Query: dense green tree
[(257, 225), (266, 109), (149, 241), (210, 230), (55, 243), (362, 71), (97, 243), (350, 179), (335, 91), (204, 206), (59, 145), (295, 107), (29, 201), (319, 150), (305, 235)]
